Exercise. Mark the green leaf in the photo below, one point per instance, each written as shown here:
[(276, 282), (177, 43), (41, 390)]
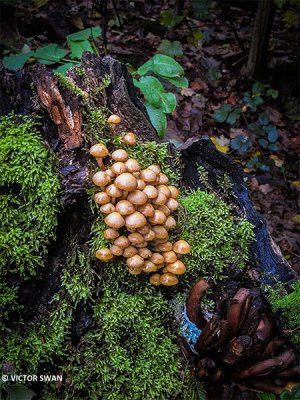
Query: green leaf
[(166, 66), (233, 116), (157, 118), (222, 113), (180, 82), (151, 88), (50, 54), (19, 392), (272, 133), (263, 119), (85, 34), (168, 101), (172, 49), (145, 68), (272, 93), (258, 89), (62, 69), (263, 143), (16, 61), (202, 9), (169, 19), (77, 48)]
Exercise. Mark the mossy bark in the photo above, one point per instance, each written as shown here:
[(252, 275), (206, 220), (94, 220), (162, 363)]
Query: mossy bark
[(64, 116)]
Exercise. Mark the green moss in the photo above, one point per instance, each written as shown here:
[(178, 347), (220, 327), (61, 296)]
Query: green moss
[(28, 202), (130, 353), (209, 225), (289, 305), (69, 84)]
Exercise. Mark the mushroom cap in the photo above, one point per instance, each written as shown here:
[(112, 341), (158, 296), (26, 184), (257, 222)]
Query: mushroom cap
[(132, 165), (130, 139), (170, 223), (144, 229), (135, 261), (162, 179), (100, 178), (146, 209), (135, 220), (107, 208), (181, 247), (140, 184), (150, 191), (160, 232), (129, 251), (174, 191), (136, 238), (99, 150), (157, 258), (166, 246), (172, 204), (122, 241), (164, 209), (116, 250), (137, 197), (145, 252), (149, 236), (155, 168), (169, 257), (102, 198), (126, 182), (113, 191), (149, 267), (155, 279), (161, 199), (134, 271), (114, 220), (110, 233), (104, 254), (148, 175), (118, 168), (176, 268), (124, 207), (119, 155), (114, 119), (158, 218), (165, 190), (168, 279)]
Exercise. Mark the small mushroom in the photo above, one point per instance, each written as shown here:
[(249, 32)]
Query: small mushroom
[(126, 182), (132, 165), (107, 208), (125, 207), (129, 251), (160, 232), (110, 234), (149, 236), (116, 250), (165, 190), (99, 151), (100, 178), (130, 139), (113, 191), (157, 258), (151, 191), (135, 220), (148, 175), (114, 220), (135, 271), (174, 191), (165, 247), (176, 268), (144, 230), (146, 209), (170, 223), (118, 168), (155, 279), (161, 199), (135, 261), (140, 184), (164, 209), (104, 254), (155, 168), (149, 267), (114, 119), (136, 238), (137, 197), (162, 179), (145, 252), (119, 155), (169, 257), (172, 204), (168, 279), (102, 198), (159, 218), (181, 247)]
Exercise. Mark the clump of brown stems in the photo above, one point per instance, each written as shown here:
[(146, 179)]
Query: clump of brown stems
[(242, 345)]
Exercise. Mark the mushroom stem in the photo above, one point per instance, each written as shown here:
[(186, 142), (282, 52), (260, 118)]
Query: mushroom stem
[(100, 162)]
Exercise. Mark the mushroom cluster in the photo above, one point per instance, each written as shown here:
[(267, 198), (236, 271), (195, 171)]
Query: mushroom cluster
[(242, 344), (138, 204)]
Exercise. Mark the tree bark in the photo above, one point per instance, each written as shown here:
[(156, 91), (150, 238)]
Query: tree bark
[(257, 58)]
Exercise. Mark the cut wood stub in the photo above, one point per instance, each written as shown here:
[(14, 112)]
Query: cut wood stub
[(63, 107)]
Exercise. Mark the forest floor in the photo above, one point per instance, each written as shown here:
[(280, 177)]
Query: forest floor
[(214, 52)]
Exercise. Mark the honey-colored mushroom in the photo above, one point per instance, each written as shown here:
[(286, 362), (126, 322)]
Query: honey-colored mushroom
[(107, 208), (118, 168), (122, 241), (165, 190), (144, 229), (114, 220), (130, 139), (149, 236), (110, 234), (124, 207), (146, 209), (126, 182), (167, 246), (155, 279), (114, 119), (129, 251), (136, 238), (135, 220), (169, 257), (119, 155), (160, 199), (162, 179), (157, 258), (99, 150), (137, 197), (155, 168), (135, 271), (148, 175), (181, 247), (102, 198), (113, 191), (176, 268), (135, 261), (140, 184), (149, 267), (151, 191), (100, 178), (168, 279), (164, 209), (160, 232), (109, 172), (145, 252), (104, 254), (174, 191), (116, 250), (132, 165), (172, 204), (170, 223), (159, 218)]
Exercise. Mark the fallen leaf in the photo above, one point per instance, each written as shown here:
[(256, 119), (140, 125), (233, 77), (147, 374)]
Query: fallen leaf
[(187, 92), (274, 115), (234, 132), (77, 22), (221, 143), (296, 218), (266, 188), (277, 161), (198, 84), (296, 184)]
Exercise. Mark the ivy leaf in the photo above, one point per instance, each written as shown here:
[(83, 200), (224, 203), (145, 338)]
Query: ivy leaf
[(50, 54), (172, 49), (145, 68), (16, 61), (180, 82), (78, 47), (166, 66), (222, 113), (85, 34), (157, 118), (62, 69)]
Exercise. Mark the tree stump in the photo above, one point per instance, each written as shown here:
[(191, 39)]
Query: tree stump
[(62, 113)]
